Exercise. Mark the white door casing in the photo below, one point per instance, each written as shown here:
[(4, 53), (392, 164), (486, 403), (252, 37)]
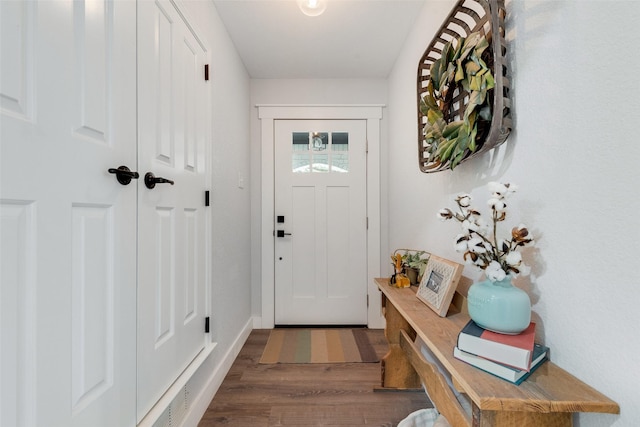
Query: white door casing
[(68, 252), (172, 226), (320, 200), (268, 114)]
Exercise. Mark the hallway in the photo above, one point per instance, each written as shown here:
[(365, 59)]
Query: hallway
[(255, 395)]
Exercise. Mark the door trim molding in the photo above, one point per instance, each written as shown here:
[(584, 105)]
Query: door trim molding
[(267, 114)]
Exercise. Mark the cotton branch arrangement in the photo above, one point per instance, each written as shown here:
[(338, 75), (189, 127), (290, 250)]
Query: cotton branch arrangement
[(479, 242)]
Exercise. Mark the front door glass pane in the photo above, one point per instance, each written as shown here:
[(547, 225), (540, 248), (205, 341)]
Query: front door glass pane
[(320, 152), (340, 152), (301, 156)]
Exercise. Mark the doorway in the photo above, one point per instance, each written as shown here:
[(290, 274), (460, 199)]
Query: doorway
[(321, 235), (370, 116)]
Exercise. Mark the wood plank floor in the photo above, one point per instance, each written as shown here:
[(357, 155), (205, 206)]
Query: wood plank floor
[(255, 395)]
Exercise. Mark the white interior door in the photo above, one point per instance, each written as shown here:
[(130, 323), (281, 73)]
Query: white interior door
[(172, 120), (320, 222), (68, 258)]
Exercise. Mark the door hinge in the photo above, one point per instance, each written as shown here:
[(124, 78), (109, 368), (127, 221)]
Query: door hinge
[(367, 223), (367, 301), (206, 72), (366, 147), (206, 325), (206, 198)]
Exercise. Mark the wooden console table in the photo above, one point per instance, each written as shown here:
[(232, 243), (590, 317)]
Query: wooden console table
[(547, 398)]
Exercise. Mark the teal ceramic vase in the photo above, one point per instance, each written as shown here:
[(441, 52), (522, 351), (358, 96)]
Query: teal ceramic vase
[(499, 306)]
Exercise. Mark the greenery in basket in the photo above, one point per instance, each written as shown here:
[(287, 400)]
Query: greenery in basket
[(416, 260), (479, 243), (460, 67)]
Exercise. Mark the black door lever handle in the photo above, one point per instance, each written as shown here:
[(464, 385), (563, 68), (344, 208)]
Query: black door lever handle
[(150, 180), (281, 233), (124, 175)]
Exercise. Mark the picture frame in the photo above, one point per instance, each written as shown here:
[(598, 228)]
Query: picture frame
[(439, 283)]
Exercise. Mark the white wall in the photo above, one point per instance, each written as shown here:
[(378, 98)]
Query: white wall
[(574, 153), (230, 205), (299, 92)]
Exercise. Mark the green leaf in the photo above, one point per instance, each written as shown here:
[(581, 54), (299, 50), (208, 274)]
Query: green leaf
[(472, 138), (446, 51), (434, 72), (472, 145), (451, 129), (463, 140), (458, 50), (459, 72), (429, 102), (456, 161), (446, 152), (481, 46), (465, 84), (470, 44), (451, 71), (423, 107), (490, 82), (434, 115), (475, 82), (463, 143), (471, 121), (472, 68), (474, 98)]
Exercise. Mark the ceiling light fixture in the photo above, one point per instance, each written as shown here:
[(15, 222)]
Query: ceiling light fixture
[(312, 7)]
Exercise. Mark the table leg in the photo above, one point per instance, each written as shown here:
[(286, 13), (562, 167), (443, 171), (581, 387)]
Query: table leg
[(397, 372)]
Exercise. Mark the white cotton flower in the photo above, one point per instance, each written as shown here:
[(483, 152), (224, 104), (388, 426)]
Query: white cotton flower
[(497, 204), (495, 272), (514, 259), (497, 189), (464, 200), (469, 226), (482, 226), (476, 245), (461, 243), (445, 214)]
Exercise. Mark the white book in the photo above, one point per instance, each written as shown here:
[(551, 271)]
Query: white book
[(512, 350), (505, 372)]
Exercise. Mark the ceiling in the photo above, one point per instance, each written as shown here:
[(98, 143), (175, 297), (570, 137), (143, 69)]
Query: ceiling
[(351, 39)]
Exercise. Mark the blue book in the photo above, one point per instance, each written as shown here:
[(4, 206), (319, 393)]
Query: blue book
[(513, 375)]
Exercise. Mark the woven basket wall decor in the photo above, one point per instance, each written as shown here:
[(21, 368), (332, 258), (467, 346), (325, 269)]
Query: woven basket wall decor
[(469, 16)]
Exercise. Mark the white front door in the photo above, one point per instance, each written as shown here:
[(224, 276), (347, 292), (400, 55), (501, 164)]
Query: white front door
[(320, 222), (68, 227), (172, 114)]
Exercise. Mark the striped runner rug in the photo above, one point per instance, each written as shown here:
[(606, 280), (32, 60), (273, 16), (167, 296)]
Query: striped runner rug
[(318, 346)]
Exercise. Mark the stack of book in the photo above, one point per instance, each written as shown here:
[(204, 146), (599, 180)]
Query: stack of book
[(510, 357)]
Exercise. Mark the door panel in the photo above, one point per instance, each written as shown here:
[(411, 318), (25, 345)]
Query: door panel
[(320, 189), (172, 136), (68, 260)]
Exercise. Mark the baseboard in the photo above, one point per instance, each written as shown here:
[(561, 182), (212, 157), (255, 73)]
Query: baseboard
[(202, 401), (257, 323)]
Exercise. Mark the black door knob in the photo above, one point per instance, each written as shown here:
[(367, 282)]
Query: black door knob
[(150, 180), (124, 175)]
